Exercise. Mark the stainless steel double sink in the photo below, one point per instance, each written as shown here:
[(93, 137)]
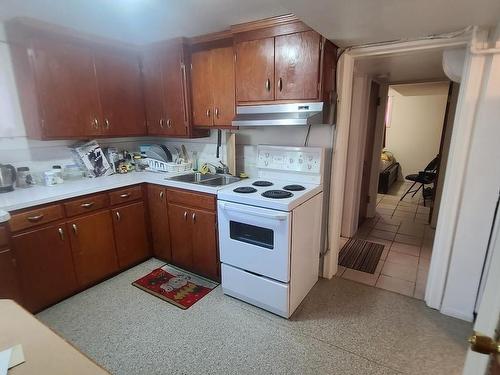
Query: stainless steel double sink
[(208, 179)]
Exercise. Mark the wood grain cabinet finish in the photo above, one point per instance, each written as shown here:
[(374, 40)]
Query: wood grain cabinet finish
[(120, 93), (93, 247), (255, 70), (158, 218), (90, 203), (297, 58), (213, 87), (33, 217), (180, 236), (131, 238), (204, 243), (46, 271), (9, 281), (125, 195)]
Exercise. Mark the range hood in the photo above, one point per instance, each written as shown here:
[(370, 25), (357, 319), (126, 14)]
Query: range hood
[(279, 114)]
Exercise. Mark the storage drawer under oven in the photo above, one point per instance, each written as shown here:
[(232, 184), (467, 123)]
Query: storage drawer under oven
[(255, 239)]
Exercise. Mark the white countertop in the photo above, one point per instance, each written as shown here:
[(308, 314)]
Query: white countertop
[(22, 198)]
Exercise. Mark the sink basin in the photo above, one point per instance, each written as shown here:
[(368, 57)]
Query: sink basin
[(205, 179)]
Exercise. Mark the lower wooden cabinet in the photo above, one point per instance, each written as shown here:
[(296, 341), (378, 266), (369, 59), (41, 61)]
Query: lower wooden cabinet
[(9, 282), (158, 218), (131, 237), (45, 266), (93, 247), (194, 239)]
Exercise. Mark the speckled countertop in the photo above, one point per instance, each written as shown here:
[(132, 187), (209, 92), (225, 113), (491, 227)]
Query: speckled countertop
[(22, 198)]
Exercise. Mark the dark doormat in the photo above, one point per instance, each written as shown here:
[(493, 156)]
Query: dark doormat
[(176, 286), (360, 255)]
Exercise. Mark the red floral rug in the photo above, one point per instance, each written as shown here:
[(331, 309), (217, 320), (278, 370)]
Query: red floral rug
[(181, 288)]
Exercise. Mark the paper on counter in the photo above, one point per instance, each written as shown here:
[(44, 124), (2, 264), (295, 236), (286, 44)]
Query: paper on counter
[(5, 361), (11, 357)]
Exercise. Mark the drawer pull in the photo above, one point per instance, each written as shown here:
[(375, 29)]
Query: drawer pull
[(75, 229), (61, 233), (87, 205), (35, 218), (125, 195), (161, 194)]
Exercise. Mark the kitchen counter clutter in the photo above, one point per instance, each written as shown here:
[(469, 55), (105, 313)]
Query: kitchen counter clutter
[(22, 198)]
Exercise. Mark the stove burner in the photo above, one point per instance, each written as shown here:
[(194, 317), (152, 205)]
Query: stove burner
[(277, 194), (245, 189), (262, 183), (294, 187)]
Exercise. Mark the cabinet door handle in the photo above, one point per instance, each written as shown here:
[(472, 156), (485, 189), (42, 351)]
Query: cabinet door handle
[(35, 218), (280, 84), (61, 233), (216, 112), (160, 122), (106, 123), (208, 112), (268, 84), (75, 229), (87, 204), (169, 123), (125, 195), (118, 217), (95, 123), (161, 194), (194, 217), (185, 215)]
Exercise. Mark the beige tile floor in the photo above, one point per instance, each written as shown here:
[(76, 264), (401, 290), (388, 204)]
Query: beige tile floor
[(403, 229)]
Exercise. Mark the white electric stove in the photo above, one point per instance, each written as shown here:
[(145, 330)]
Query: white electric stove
[(270, 229)]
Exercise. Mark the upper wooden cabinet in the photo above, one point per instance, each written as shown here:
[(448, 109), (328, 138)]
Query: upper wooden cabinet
[(166, 89), (72, 87), (280, 60), (120, 93), (213, 86)]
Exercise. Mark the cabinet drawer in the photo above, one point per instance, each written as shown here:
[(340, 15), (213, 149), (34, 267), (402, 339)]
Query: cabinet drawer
[(87, 204), (125, 195), (192, 199), (4, 237), (34, 217)]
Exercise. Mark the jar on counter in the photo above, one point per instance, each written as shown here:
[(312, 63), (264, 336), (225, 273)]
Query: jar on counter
[(49, 178), (58, 174), (24, 178)]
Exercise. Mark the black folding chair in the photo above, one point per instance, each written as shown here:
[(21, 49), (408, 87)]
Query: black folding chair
[(425, 177)]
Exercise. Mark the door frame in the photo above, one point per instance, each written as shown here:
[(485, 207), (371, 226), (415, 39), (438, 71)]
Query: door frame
[(456, 166)]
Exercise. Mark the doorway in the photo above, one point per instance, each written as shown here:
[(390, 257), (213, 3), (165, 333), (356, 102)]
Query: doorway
[(405, 138)]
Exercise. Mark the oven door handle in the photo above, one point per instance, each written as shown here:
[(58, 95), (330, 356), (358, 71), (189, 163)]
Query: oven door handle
[(249, 211)]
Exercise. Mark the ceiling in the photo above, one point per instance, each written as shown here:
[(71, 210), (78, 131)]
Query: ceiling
[(346, 23), (409, 67)]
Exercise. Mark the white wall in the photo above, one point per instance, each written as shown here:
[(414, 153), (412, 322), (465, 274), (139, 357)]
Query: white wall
[(416, 120)]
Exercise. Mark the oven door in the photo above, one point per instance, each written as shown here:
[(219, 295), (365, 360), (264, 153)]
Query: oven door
[(255, 239)]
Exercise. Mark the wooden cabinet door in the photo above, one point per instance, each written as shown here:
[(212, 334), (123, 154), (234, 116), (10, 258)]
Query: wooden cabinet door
[(223, 86), (204, 237), (158, 214), (45, 265), (67, 90), (297, 66), (132, 244), (202, 87), (255, 70), (9, 281), (93, 247), (180, 235), (120, 93), (175, 81), (154, 94)]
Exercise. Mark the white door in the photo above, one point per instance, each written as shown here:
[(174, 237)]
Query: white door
[(488, 318)]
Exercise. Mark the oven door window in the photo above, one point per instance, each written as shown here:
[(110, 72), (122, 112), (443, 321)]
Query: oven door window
[(252, 234)]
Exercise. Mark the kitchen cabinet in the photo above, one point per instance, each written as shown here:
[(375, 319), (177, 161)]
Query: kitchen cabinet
[(193, 232), (120, 93), (9, 282), (158, 217), (45, 264), (72, 87), (213, 87), (93, 247), (132, 243), (255, 70), (166, 89)]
